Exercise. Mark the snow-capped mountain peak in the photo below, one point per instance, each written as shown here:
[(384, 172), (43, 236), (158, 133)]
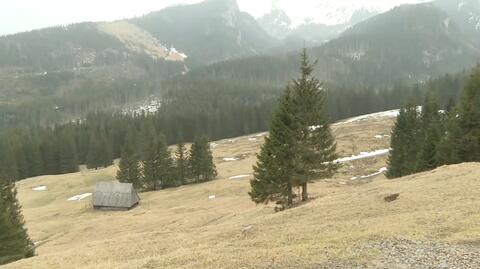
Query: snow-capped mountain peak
[(332, 12)]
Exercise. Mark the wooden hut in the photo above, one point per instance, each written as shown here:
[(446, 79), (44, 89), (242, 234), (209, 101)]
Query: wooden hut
[(112, 195)]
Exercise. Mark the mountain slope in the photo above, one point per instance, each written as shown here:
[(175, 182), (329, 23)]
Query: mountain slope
[(63, 73), (209, 31), (348, 222), (411, 43), (465, 13)]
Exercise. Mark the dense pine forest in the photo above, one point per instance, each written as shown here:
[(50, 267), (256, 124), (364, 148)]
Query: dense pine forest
[(190, 108)]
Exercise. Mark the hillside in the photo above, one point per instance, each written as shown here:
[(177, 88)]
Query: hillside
[(434, 223), (61, 74), (410, 43), (209, 31)]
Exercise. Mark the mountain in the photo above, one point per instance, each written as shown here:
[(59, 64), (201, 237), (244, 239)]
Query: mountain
[(79, 68), (410, 43), (465, 13), (276, 23), (209, 31), (279, 25)]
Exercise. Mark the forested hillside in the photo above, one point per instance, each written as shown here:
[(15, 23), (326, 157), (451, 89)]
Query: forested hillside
[(209, 31), (61, 74), (411, 43)]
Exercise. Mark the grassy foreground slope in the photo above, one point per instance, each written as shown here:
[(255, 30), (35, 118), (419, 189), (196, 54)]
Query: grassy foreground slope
[(343, 226)]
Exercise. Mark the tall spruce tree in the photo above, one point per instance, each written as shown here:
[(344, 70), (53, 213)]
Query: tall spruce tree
[(93, 160), (300, 147), (181, 164), (201, 161), (158, 165), (129, 166), (316, 147), (430, 135), (15, 243), (469, 120), (404, 143), (448, 151), (68, 158)]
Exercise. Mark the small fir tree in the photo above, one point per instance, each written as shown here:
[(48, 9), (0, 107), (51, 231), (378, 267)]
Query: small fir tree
[(404, 143), (158, 165), (181, 164), (129, 166), (15, 243), (275, 166), (201, 161)]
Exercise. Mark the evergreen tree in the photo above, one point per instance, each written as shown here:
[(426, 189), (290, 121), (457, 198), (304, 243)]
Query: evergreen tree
[(276, 162), (469, 120), (316, 147), (404, 143), (94, 155), (129, 166), (68, 159), (158, 165), (8, 163), (181, 164), (201, 161), (15, 243), (99, 152), (448, 151), (430, 135)]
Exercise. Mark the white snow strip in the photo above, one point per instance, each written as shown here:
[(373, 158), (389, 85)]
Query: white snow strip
[(252, 139), (239, 177), (230, 159), (363, 155), (40, 188), (211, 197), (379, 136), (381, 171), (385, 114), (79, 197)]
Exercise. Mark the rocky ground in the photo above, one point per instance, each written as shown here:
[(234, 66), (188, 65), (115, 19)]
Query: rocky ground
[(399, 253)]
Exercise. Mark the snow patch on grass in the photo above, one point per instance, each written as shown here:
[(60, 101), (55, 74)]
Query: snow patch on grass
[(385, 114), (363, 155), (79, 197), (239, 177), (40, 188)]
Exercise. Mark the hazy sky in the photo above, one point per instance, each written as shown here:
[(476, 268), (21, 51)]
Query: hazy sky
[(23, 15)]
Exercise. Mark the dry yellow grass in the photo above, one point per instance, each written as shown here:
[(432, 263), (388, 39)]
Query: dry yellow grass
[(182, 228)]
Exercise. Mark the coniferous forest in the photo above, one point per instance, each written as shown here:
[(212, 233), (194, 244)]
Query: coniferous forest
[(189, 109), (431, 135)]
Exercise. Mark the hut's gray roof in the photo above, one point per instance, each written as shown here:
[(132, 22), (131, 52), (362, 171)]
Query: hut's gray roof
[(115, 194)]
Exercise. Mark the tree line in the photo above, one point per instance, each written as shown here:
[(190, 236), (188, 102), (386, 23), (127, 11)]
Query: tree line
[(155, 168), (189, 110), (426, 138)]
